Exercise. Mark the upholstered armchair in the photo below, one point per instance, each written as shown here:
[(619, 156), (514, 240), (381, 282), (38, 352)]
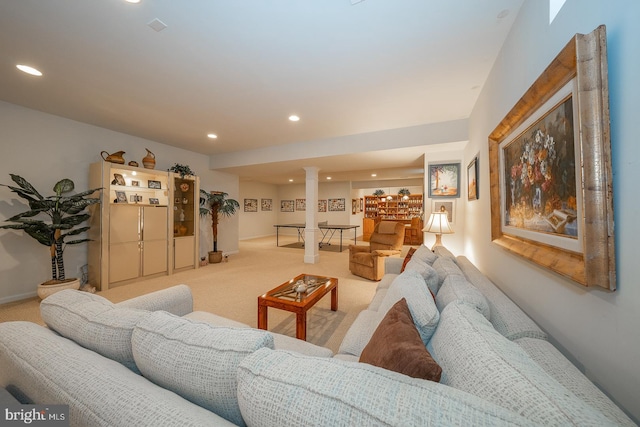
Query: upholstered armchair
[(368, 261)]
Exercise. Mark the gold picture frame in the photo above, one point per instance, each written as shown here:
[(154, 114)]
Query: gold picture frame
[(592, 263)]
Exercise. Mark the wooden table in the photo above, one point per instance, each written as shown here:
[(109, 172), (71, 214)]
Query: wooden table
[(284, 297)]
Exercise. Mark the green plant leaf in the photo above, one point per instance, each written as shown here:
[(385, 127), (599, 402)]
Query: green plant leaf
[(63, 186), (24, 184)]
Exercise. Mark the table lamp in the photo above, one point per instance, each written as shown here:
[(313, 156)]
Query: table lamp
[(438, 224)]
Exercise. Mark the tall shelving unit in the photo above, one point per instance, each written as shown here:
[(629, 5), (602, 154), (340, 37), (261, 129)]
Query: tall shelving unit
[(393, 207), (184, 208), (132, 229)]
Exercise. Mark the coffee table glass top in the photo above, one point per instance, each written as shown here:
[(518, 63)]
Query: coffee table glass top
[(300, 287)]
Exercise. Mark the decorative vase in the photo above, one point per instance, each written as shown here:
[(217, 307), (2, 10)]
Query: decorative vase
[(215, 257), (149, 161), (50, 287), (114, 157)]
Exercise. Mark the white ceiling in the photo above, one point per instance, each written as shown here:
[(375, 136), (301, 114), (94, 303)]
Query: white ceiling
[(239, 68)]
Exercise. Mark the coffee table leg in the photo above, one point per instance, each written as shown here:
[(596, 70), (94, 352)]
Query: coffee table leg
[(301, 326), (262, 316), (334, 299)]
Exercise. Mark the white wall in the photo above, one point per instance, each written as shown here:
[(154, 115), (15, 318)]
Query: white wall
[(44, 149), (597, 329)]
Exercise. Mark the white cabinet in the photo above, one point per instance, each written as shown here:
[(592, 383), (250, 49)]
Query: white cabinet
[(130, 227)]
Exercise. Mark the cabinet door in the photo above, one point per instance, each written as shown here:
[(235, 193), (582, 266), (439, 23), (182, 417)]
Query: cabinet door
[(124, 261), (184, 252), (124, 223), (154, 223), (154, 257)]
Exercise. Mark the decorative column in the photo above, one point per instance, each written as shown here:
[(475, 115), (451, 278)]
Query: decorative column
[(311, 249)]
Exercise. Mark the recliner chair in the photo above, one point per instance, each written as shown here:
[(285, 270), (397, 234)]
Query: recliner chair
[(368, 261)]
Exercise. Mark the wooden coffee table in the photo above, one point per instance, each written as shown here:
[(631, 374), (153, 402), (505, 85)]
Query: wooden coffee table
[(286, 298)]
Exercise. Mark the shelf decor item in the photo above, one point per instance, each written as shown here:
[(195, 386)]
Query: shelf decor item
[(404, 193), (182, 170), (65, 213), (113, 158), (215, 204), (149, 161)]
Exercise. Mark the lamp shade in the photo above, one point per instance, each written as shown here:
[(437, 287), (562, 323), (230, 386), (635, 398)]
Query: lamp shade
[(438, 223)]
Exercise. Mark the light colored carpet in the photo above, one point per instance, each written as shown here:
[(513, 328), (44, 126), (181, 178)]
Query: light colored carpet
[(231, 289)]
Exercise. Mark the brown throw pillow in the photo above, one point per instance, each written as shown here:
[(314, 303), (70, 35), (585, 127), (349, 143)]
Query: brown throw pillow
[(407, 258), (396, 345)]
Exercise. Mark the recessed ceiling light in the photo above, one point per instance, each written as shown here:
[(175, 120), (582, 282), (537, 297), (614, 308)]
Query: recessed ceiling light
[(290, 179), (132, 1), (29, 70), (212, 136), (374, 174), (328, 177), (294, 118)]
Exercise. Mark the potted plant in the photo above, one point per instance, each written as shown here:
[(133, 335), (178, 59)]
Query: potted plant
[(65, 214), (215, 204), (183, 170), (404, 193)]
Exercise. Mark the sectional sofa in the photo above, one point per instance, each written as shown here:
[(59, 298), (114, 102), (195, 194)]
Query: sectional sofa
[(152, 361)]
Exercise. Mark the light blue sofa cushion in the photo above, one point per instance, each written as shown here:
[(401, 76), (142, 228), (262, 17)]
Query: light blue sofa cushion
[(563, 371), (506, 316), (49, 369), (427, 272), (196, 360), (360, 332), (411, 286), (93, 322), (425, 254), (457, 288), (281, 389), (476, 358), (280, 342), (445, 267)]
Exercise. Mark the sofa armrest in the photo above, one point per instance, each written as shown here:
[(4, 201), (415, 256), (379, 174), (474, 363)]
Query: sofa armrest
[(393, 265), (176, 300), (358, 248), (385, 252)]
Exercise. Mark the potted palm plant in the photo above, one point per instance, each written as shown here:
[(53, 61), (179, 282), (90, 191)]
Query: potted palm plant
[(216, 203), (65, 214)]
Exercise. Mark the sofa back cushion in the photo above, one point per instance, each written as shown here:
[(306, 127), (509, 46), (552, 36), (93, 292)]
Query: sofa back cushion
[(427, 272), (196, 360), (457, 288), (93, 322), (477, 359), (506, 316), (445, 266), (425, 254), (282, 389), (411, 286)]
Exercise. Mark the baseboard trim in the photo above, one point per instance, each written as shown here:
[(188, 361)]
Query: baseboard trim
[(19, 297)]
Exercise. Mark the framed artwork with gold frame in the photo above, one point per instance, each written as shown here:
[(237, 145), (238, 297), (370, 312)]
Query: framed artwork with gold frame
[(551, 185)]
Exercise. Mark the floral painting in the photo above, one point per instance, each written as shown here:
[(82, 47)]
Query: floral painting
[(266, 204), (540, 175), (322, 205)]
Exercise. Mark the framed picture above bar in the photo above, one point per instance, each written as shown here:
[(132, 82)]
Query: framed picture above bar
[(550, 173)]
